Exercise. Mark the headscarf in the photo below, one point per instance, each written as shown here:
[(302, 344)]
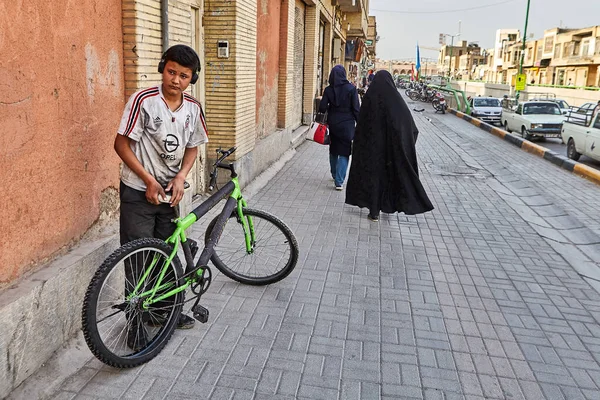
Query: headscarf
[(337, 80)]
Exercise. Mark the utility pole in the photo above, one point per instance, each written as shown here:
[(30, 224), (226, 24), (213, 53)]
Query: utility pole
[(452, 48), (524, 46)]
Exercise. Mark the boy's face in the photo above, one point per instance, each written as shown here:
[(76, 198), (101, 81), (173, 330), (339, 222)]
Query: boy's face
[(175, 78)]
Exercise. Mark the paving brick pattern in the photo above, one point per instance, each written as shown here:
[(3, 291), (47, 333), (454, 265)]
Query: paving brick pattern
[(466, 302)]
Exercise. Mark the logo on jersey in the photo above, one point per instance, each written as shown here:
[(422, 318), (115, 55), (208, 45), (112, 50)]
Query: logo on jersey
[(157, 121), (171, 143), (187, 122)]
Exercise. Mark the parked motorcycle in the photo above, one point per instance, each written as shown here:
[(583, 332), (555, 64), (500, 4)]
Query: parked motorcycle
[(439, 103)]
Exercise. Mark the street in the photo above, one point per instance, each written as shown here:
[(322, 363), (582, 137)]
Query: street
[(557, 146), (483, 298)]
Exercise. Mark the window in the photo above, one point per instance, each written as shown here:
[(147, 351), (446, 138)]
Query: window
[(576, 49), (557, 51), (538, 56), (565, 52), (529, 54), (541, 108), (561, 77), (585, 48), (549, 44), (597, 45), (597, 123), (487, 102)]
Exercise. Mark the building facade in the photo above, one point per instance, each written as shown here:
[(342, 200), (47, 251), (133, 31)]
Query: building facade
[(264, 62), (562, 57)]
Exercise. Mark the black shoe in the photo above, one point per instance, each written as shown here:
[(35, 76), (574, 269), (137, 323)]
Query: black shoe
[(185, 322), (137, 337), (373, 218)]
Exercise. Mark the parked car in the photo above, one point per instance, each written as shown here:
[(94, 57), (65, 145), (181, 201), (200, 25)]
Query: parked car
[(563, 105), (581, 113), (582, 136), (586, 108), (487, 109), (534, 119)]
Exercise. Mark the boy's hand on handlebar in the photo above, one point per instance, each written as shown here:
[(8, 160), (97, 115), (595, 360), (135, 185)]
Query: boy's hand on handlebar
[(176, 186), (153, 190)]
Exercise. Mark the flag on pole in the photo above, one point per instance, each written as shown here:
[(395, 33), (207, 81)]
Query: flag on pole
[(418, 62)]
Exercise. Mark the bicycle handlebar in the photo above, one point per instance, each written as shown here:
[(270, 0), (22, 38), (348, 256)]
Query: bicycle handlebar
[(223, 155)]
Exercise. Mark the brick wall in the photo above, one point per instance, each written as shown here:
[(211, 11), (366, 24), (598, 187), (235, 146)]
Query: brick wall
[(299, 76), (311, 53), (245, 65), (286, 64)]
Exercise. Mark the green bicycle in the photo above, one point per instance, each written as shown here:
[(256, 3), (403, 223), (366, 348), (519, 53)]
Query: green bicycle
[(133, 302)]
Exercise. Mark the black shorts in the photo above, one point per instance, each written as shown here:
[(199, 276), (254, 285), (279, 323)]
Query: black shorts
[(141, 219)]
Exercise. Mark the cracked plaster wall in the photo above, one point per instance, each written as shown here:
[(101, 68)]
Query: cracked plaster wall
[(61, 99), (267, 66)]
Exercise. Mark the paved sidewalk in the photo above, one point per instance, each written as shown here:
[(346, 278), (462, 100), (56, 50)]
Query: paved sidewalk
[(474, 300)]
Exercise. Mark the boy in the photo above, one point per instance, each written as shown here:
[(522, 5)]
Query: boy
[(158, 141)]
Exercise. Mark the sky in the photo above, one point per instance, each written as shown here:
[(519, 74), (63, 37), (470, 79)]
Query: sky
[(422, 21)]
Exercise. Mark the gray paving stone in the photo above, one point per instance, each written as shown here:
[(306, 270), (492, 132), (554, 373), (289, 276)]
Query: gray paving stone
[(473, 300)]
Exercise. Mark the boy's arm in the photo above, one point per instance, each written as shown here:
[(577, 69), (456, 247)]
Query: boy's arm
[(176, 185), (153, 188)]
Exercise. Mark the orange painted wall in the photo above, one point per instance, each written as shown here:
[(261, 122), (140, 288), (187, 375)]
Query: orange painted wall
[(267, 65), (61, 98)]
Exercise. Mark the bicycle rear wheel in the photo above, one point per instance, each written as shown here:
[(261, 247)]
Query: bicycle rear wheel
[(118, 330), (273, 256)]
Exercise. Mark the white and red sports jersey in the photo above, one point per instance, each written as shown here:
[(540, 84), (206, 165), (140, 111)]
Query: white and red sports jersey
[(159, 135)]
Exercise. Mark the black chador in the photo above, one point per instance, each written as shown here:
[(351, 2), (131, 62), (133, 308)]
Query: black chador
[(384, 175)]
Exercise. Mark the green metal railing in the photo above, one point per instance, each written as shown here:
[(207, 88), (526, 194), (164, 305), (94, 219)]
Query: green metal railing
[(461, 106)]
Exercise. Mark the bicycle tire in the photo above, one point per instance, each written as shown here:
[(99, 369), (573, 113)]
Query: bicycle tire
[(236, 239), (168, 310)]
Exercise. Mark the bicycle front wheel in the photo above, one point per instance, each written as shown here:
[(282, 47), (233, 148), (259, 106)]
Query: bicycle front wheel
[(273, 254), (119, 330)]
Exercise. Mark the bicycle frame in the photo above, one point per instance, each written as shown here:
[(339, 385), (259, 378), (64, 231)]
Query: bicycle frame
[(192, 274)]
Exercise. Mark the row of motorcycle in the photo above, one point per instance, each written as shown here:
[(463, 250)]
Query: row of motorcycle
[(420, 91)]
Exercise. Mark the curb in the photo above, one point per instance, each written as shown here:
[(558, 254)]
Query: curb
[(530, 147)]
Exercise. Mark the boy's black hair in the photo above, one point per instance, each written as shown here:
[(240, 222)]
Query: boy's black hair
[(182, 55)]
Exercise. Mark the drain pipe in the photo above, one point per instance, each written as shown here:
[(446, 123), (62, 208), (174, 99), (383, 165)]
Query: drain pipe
[(164, 23)]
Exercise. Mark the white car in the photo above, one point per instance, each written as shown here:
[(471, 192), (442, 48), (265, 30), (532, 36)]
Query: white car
[(563, 105), (582, 137), (534, 119), (487, 109)]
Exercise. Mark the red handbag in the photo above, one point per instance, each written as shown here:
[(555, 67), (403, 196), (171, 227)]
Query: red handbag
[(318, 132)]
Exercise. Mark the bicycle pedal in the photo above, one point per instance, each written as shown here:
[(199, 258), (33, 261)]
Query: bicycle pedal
[(200, 313), (193, 247)]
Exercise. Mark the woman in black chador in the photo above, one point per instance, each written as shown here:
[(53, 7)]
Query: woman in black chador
[(340, 100), (384, 175)]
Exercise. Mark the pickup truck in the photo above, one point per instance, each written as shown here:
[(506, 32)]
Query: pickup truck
[(582, 136), (533, 119)]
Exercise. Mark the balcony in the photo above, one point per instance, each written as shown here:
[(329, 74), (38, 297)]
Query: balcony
[(351, 6), (357, 24)]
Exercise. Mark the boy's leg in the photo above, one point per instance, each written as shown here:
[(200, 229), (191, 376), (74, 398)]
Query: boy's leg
[(137, 218), (136, 221)]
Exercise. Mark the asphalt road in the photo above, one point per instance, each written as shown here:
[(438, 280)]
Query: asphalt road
[(553, 144)]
